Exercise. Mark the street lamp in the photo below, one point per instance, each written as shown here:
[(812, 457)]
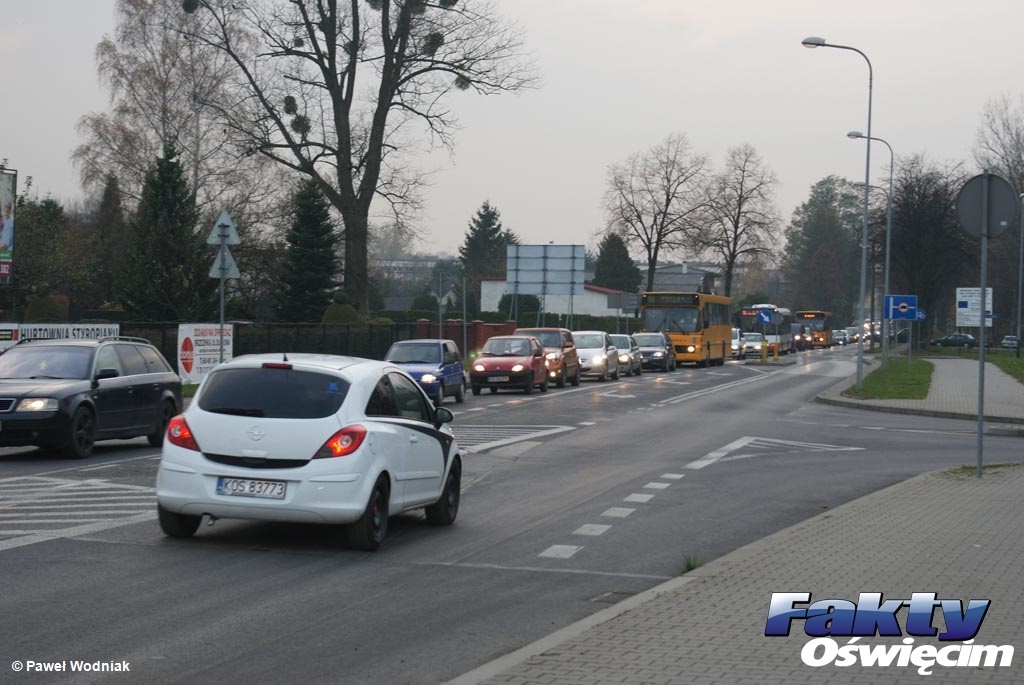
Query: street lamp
[(854, 135), (816, 42)]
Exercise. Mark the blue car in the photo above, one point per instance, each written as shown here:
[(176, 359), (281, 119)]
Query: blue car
[(435, 364)]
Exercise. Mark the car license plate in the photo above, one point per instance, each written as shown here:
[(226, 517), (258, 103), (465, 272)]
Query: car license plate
[(498, 379), (245, 487)]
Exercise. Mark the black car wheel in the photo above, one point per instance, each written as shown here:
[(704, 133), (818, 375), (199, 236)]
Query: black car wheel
[(460, 396), (439, 400), (560, 381), (443, 511), (576, 378), (177, 525), (369, 531), (83, 434), (476, 390), (156, 438)]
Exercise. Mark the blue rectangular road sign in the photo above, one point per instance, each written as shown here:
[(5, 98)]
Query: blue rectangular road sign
[(901, 307), (921, 314)]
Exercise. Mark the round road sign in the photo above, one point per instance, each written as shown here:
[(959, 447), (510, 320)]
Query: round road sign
[(1001, 206)]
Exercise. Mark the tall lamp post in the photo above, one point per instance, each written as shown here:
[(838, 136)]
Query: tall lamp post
[(854, 135), (816, 42)]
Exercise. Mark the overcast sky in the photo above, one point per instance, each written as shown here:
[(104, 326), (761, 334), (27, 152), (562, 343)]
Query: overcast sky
[(618, 77)]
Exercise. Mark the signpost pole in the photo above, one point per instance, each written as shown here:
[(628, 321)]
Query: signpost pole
[(224, 267), (223, 276), (982, 318)]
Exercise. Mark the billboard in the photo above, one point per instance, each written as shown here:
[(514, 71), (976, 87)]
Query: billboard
[(199, 349), (8, 190), (545, 269)]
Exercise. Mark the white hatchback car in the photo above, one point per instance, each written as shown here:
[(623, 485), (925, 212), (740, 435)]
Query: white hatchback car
[(309, 438)]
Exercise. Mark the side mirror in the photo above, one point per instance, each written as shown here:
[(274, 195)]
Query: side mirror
[(106, 373), (568, 345), (443, 415)]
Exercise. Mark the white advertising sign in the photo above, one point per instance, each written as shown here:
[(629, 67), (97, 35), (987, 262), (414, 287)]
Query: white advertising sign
[(968, 307), (11, 333), (199, 349)]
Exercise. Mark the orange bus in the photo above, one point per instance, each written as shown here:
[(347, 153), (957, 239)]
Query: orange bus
[(697, 324), (820, 325)]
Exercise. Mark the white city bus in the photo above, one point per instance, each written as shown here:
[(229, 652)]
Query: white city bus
[(778, 334)]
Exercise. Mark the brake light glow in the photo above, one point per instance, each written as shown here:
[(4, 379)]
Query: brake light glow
[(180, 435), (344, 442)]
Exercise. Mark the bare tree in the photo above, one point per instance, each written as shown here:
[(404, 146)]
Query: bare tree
[(741, 216), (999, 146), (162, 85), (343, 90), (654, 198)]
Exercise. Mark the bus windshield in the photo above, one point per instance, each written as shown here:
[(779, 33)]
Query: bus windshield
[(668, 319)]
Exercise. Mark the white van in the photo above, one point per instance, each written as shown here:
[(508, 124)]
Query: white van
[(738, 352)]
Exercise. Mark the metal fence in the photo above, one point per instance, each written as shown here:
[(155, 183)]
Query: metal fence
[(357, 339)]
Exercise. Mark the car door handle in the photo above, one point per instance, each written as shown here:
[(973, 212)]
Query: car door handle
[(413, 439)]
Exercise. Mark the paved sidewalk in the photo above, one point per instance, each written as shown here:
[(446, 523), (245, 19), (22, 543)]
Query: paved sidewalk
[(953, 393), (944, 532)]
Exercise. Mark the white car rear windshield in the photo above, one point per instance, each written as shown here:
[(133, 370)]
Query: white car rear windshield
[(273, 393)]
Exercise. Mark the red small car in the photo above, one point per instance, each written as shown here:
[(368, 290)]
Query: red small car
[(510, 361)]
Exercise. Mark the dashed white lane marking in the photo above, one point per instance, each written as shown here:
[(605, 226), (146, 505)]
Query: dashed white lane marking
[(588, 423), (591, 529), (672, 476), (636, 497), (618, 512), (560, 551)]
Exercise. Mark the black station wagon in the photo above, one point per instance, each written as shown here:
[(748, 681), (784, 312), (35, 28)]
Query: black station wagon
[(67, 394)]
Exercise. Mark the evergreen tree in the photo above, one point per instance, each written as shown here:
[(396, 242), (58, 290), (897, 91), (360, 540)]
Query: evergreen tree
[(167, 271), (822, 254), (482, 253), (310, 259), (110, 231), (615, 268)]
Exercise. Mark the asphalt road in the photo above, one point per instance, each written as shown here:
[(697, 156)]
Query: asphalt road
[(572, 500)]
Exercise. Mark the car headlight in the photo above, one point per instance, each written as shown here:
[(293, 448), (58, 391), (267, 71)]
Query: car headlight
[(735, 346), (624, 358), (691, 348), (554, 356), (479, 367), (38, 404), (517, 368), (428, 378), (658, 355), (599, 358)]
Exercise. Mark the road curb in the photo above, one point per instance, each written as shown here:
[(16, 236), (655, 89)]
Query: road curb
[(503, 663)]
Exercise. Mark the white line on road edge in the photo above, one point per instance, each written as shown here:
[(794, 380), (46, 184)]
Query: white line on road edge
[(502, 664)]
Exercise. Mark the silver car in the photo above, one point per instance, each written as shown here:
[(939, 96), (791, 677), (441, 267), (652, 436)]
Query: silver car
[(630, 361), (598, 355)]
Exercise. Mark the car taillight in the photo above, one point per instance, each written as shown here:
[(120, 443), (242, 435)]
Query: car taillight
[(344, 442), (180, 435)]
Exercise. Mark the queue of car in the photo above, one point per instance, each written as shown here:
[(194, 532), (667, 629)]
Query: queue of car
[(304, 438)]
